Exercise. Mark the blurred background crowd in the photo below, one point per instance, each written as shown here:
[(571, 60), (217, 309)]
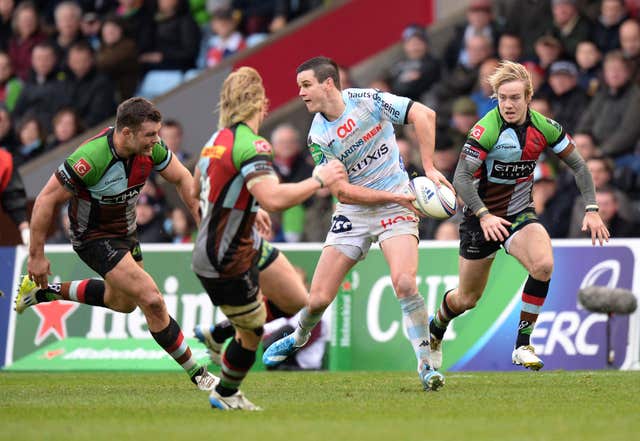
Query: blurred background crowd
[(65, 65)]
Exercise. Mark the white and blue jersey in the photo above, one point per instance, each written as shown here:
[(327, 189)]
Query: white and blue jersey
[(363, 138)]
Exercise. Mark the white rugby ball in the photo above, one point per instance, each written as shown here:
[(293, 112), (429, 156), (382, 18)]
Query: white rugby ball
[(438, 203)]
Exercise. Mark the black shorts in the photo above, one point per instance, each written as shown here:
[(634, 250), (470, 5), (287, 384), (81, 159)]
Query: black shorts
[(102, 255), (237, 291), (268, 254), (472, 242)]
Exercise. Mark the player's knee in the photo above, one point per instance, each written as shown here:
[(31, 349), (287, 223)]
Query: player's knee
[(466, 302), (404, 284), (152, 302), (542, 270), (318, 303)]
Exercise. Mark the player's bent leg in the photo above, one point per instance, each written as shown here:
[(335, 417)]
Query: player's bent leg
[(531, 245), (128, 278), (474, 274), (281, 285), (331, 269), (87, 291)]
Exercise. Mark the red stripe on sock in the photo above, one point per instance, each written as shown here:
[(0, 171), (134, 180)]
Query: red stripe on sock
[(225, 361), (538, 301), (176, 344), (81, 290)]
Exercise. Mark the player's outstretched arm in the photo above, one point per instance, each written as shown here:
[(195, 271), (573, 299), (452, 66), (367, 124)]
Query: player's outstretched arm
[(348, 193), (274, 196), (424, 120), (177, 174), (44, 207)]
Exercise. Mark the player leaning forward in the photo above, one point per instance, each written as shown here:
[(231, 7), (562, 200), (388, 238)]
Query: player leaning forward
[(102, 180), (494, 178), (234, 172), (356, 127)]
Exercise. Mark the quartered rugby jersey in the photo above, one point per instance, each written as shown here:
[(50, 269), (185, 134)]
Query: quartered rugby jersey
[(106, 187), (363, 138), (507, 155), (227, 244)]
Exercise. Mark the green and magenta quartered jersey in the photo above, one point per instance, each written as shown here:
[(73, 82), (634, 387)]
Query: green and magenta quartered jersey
[(227, 244), (506, 155), (106, 187)]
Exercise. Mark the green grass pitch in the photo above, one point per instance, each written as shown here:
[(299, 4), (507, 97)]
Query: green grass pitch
[(389, 406)]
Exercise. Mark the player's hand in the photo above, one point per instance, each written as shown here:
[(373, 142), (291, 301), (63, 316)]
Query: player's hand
[(438, 178), (39, 268), (494, 228), (593, 222), (406, 200), (330, 172), (263, 223)]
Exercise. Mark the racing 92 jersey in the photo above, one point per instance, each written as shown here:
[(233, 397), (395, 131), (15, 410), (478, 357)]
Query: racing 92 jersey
[(506, 155), (363, 138), (227, 245), (106, 187)]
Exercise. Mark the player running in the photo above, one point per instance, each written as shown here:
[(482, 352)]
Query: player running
[(103, 179), (234, 174), (355, 126), (494, 178)]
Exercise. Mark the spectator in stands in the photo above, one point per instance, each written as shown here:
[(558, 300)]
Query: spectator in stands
[(256, 16), (483, 92), (479, 23), (346, 79), (292, 163), (510, 47), (46, 90), (541, 105), (10, 85), (548, 49), (630, 43), (8, 137), (537, 74), (66, 125), (609, 206), (92, 91), (612, 115), (606, 29), (150, 222), (565, 97), (68, 16), (26, 35), (287, 10), (6, 13), (530, 19), (13, 199), (585, 145), (418, 70), (447, 230), (90, 28), (569, 25), (589, 59), (31, 138), (118, 58), (138, 23), (180, 226), (176, 38), (380, 84), (171, 133), (408, 151), (464, 114), (222, 40)]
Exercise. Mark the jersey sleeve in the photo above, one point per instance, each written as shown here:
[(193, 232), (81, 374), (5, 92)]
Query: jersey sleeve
[(253, 158), (481, 139), (161, 156), (557, 138), (390, 107), (78, 171)]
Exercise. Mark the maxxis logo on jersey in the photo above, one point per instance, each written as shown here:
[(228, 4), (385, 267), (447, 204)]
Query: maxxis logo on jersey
[(82, 167), (477, 132)]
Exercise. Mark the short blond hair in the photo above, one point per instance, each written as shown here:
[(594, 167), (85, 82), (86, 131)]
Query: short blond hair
[(242, 96), (508, 71)]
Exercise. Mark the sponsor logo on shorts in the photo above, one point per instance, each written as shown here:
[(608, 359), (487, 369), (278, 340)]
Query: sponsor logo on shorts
[(341, 224), (262, 146), (386, 223), (82, 167), (512, 170), (477, 132)]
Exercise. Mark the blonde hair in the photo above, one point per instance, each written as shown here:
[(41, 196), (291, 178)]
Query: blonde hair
[(508, 71), (242, 96)]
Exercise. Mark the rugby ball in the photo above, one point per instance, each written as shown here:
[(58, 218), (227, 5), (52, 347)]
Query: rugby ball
[(438, 203)]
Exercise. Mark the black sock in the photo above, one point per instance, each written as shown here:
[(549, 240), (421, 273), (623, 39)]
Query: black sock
[(223, 331)]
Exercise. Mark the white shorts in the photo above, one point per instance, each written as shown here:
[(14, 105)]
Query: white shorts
[(353, 232)]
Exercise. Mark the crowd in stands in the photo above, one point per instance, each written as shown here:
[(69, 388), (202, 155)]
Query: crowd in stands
[(72, 62)]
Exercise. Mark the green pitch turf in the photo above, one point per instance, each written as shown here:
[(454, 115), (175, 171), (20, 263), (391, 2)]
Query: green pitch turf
[(520, 406)]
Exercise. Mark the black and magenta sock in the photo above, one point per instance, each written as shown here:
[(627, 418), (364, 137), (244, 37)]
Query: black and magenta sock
[(533, 297)]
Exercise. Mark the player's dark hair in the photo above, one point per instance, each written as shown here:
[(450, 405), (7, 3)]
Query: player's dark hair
[(322, 68), (135, 111)]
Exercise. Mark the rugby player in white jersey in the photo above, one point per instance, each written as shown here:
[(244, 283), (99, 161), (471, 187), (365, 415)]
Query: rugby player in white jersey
[(355, 126)]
